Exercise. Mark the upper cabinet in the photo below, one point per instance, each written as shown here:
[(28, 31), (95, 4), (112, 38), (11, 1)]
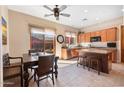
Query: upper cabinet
[(87, 37), (92, 34), (106, 35), (103, 36), (79, 38), (111, 34), (98, 33), (83, 38)]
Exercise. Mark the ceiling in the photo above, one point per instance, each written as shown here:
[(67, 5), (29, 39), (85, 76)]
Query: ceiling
[(94, 13)]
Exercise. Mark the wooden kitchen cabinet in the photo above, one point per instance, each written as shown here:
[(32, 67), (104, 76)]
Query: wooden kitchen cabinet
[(93, 34), (111, 34), (103, 36), (79, 38), (114, 56), (64, 54), (74, 52), (69, 53), (83, 38), (87, 37), (106, 35), (98, 33)]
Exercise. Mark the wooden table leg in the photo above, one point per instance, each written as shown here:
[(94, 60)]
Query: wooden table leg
[(56, 67), (26, 76)]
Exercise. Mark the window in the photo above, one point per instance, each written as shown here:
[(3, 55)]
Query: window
[(70, 38), (43, 39)]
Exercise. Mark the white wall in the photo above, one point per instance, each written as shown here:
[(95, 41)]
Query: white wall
[(3, 49), (19, 35), (0, 52), (5, 15), (103, 25)]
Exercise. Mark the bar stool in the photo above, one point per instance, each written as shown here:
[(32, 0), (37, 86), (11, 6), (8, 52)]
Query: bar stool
[(95, 59), (82, 60)]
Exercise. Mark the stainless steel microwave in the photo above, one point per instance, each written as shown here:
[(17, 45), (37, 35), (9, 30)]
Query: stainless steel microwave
[(95, 39)]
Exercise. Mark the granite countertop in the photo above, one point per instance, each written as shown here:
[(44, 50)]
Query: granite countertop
[(99, 51), (94, 48), (104, 48)]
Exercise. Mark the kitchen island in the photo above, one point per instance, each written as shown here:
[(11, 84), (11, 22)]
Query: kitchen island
[(104, 55)]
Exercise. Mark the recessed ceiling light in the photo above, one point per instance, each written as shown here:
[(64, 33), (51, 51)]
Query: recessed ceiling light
[(123, 10), (84, 19), (97, 18), (85, 11)]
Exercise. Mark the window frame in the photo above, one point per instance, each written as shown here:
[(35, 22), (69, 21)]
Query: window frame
[(39, 27), (71, 33)]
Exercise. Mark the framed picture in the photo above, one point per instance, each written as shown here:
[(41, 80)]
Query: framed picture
[(4, 31)]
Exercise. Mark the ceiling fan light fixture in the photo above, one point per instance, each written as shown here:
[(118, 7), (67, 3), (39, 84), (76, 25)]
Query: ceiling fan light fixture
[(57, 11), (56, 14), (85, 11), (85, 19)]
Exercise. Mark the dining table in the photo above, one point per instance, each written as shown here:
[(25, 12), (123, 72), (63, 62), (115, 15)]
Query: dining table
[(32, 60)]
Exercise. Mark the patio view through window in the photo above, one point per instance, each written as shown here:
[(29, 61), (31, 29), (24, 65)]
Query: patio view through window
[(70, 38), (42, 39)]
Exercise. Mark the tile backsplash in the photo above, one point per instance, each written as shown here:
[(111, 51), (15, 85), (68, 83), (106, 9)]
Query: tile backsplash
[(99, 44)]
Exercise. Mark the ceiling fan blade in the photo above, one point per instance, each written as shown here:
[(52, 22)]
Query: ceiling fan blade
[(48, 8), (66, 15), (62, 8), (46, 15)]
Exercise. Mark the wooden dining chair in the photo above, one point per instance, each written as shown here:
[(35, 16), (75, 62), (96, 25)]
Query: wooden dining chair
[(34, 52), (45, 68), (12, 70)]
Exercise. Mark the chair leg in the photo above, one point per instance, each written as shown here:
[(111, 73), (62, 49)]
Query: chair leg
[(34, 75), (37, 81), (77, 61), (84, 61), (21, 76), (31, 69), (98, 67), (53, 78), (89, 65)]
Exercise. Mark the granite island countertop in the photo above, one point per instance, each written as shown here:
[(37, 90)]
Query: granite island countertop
[(95, 50)]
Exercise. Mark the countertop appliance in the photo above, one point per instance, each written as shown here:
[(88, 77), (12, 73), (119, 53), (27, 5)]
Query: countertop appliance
[(95, 39), (111, 44)]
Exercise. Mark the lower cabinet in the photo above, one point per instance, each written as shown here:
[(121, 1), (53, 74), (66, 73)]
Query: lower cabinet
[(74, 53), (114, 56), (69, 53), (64, 53)]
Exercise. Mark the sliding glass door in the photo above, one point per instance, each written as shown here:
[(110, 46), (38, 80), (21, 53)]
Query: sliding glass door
[(43, 39)]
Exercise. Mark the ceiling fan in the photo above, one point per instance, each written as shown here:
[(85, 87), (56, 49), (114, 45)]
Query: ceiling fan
[(56, 11)]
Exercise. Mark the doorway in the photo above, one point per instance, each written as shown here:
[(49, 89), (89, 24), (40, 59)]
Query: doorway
[(122, 43)]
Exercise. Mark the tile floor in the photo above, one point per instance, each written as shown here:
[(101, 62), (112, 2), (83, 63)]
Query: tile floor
[(69, 75), (72, 76)]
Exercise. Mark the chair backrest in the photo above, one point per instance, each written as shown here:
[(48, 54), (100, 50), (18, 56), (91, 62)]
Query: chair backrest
[(34, 51), (6, 60), (45, 64)]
